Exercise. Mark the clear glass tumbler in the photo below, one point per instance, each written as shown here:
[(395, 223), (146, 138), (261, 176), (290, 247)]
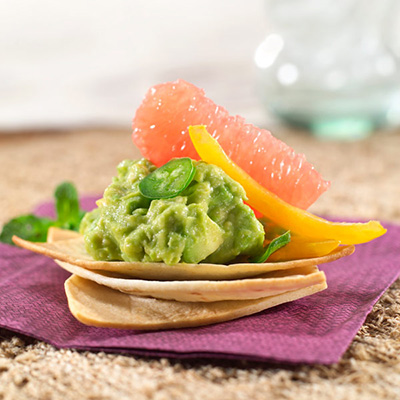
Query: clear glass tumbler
[(331, 66)]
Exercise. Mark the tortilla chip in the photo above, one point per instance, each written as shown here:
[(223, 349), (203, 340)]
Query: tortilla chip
[(269, 284), (55, 234), (72, 251), (98, 305)]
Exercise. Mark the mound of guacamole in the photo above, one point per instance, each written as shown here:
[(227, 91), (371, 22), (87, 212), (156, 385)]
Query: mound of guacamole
[(207, 222)]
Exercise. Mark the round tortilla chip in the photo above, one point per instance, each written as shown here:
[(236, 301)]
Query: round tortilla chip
[(269, 284), (100, 306), (72, 251), (55, 234)]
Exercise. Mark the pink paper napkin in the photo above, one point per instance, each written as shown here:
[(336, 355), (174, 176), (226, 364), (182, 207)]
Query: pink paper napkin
[(315, 329)]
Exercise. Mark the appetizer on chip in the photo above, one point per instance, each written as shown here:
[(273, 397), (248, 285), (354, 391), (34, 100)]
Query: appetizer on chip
[(188, 237)]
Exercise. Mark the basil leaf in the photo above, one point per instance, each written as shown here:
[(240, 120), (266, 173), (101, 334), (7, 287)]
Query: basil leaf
[(28, 227), (69, 214), (275, 245), (33, 228)]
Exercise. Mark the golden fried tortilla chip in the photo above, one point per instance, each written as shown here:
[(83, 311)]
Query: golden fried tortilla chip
[(72, 251), (55, 234), (269, 284), (98, 305)]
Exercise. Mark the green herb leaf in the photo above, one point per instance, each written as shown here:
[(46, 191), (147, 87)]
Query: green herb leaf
[(33, 228), (28, 227), (275, 245), (67, 206)]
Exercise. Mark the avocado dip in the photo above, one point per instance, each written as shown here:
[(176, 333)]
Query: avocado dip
[(206, 222)]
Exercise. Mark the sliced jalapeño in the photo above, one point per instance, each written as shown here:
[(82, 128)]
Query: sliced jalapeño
[(169, 180)]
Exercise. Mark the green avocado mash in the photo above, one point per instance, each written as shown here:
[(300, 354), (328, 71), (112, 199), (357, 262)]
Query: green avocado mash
[(207, 222)]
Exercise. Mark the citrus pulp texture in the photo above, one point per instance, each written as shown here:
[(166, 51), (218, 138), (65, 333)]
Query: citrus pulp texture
[(160, 131)]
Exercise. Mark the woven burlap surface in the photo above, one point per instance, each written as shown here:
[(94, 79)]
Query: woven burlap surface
[(365, 179)]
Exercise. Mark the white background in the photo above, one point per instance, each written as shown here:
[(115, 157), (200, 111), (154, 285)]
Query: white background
[(87, 62)]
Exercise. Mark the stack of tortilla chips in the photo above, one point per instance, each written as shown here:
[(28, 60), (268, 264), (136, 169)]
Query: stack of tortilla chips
[(152, 296)]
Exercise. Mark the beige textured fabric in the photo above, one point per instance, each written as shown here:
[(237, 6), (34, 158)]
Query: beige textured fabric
[(365, 179)]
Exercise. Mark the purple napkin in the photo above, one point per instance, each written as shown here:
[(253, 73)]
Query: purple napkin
[(315, 329)]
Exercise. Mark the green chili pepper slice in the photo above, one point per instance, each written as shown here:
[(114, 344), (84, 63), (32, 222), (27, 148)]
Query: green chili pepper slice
[(275, 245), (169, 180)]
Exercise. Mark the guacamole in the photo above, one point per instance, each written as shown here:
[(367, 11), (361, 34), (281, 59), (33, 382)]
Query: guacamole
[(207, 222)]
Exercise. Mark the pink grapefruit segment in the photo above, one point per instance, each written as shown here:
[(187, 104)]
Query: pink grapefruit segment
[(160, 131)]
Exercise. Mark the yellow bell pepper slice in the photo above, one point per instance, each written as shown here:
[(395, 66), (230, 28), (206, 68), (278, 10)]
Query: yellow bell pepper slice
[(298, 221), (296, 250)]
